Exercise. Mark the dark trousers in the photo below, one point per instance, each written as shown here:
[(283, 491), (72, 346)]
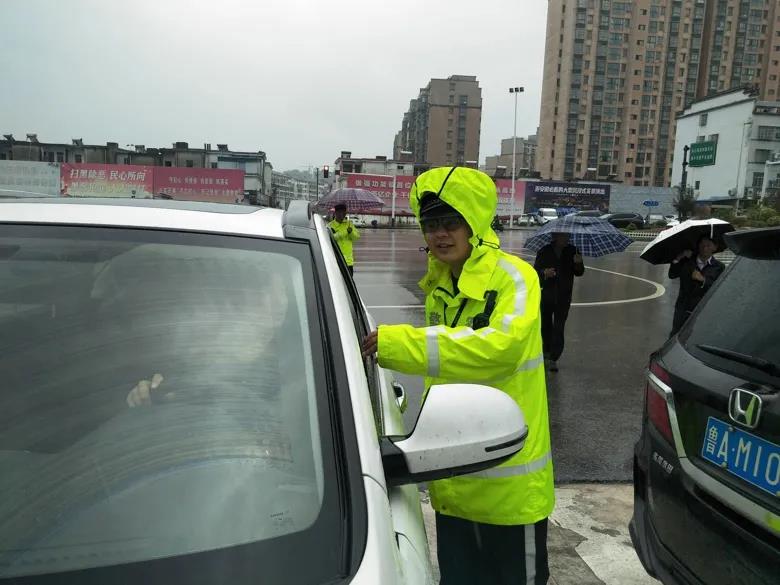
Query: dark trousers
[(681, 315), (554, 314), (471, 553)]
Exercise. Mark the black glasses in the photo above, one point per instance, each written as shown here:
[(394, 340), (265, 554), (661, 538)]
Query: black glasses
[(450, 223)]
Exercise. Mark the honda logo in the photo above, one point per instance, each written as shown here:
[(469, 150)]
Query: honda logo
[(745, 407)]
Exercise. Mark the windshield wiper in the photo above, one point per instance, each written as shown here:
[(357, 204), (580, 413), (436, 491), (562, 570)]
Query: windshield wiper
[(742, 358)]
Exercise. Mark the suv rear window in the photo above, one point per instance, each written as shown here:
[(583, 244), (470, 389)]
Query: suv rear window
[(740, 316)]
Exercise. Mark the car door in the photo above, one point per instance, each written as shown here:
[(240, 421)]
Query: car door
[(404, 501)]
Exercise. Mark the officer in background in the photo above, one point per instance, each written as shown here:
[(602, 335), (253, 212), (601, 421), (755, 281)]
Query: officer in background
[(345, 233), (483, 326)]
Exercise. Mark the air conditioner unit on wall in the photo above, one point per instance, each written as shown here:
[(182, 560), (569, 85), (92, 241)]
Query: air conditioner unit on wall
[(732, 192), (775, 156)]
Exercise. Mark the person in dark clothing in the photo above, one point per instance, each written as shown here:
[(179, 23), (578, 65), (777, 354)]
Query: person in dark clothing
[(557, 264), (697, 274)]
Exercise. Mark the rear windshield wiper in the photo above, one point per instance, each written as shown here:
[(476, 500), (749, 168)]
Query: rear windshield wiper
[(742, 358)]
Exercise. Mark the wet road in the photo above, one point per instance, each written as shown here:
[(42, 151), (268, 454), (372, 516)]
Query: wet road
[(622, 311)]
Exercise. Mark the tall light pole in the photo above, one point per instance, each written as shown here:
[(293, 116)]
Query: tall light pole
[(515, 91)]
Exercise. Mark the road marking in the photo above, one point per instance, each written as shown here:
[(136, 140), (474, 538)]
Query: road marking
[(660, 290)]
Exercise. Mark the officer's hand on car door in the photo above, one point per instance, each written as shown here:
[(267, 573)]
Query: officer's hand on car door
[(141, 394), (371, 344)]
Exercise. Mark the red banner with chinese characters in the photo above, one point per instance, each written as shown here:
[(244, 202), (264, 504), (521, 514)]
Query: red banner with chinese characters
[(190, 184), (185, 184), (98, 180), (504, 188), (382, 186)]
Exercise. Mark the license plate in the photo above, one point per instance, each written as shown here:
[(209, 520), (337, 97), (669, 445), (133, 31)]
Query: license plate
[(751, 458)]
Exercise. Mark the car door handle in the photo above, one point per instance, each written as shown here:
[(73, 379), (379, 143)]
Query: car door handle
[(400, 396)]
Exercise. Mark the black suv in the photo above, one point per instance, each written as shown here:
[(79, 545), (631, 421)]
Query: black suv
[(707, 466)]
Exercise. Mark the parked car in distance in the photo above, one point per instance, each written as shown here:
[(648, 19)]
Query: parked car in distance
[(671, 220), (358, 221), (526, 219), (546, 214), (256, 446), (654, 219), (622, 220), (707, 463), (588, 213)]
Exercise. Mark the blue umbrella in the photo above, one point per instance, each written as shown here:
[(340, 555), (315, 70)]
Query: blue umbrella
[(591, 236)]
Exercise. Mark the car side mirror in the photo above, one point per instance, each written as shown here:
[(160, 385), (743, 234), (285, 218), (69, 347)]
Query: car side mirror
[(462, 428)]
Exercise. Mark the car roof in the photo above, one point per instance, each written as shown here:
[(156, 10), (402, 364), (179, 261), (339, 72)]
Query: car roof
[(759, 243), (146, 213)]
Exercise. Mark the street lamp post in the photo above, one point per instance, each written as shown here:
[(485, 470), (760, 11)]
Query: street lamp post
[(684, 180), (515, 91)]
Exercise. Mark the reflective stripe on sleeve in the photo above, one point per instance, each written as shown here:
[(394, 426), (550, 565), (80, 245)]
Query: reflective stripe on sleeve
[(432, 345), (469, 332), (521, 293), (514, 470)]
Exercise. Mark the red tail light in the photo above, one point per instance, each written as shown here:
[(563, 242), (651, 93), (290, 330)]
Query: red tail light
[(657, 410)]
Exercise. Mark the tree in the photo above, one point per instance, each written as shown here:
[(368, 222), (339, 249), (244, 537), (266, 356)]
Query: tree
[(684, 203)]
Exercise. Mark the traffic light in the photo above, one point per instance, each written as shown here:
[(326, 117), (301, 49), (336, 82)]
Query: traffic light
[(325, 171)]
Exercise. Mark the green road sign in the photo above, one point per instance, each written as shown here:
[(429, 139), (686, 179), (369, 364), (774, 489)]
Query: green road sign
[(702, 154)]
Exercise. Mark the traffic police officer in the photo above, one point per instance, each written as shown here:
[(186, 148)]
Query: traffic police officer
[(483, 326)]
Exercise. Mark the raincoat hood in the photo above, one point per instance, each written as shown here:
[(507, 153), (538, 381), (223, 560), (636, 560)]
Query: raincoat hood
[(473, 194)]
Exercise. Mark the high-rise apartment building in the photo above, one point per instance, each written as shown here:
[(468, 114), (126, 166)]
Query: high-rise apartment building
[(525, 158), (442, 126), (617, 73)]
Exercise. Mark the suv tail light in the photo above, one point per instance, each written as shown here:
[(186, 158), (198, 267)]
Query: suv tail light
[(657, 409)]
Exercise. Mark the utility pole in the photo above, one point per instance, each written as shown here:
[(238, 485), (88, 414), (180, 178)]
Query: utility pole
[(515, 91)]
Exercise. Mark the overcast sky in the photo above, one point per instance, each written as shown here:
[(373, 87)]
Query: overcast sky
[(301, 80)]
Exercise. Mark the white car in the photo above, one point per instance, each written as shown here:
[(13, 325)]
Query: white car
[(547, 214), (184, 400), (527, 219)]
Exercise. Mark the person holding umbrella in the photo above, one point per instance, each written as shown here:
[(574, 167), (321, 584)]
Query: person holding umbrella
[(677, 246), (560, 245), (696, 277), (557, 264), (345, 233)]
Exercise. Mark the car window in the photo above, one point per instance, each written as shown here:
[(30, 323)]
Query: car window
[(740, 316), (231, 452), (361, 325)]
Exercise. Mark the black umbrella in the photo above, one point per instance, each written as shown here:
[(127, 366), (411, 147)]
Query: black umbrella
[(670, 242)]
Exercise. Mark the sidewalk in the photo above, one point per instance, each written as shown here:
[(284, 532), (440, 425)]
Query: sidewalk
[(588, 540)]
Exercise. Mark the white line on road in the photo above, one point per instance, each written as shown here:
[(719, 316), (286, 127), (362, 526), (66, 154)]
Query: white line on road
[(659, 291)]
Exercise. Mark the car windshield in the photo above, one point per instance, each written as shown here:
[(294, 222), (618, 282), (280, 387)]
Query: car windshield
[(161, 397), (736, 318)]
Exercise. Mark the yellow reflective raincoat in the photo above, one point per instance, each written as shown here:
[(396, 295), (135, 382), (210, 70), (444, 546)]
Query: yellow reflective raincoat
[(344, 238), (458, 345)]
